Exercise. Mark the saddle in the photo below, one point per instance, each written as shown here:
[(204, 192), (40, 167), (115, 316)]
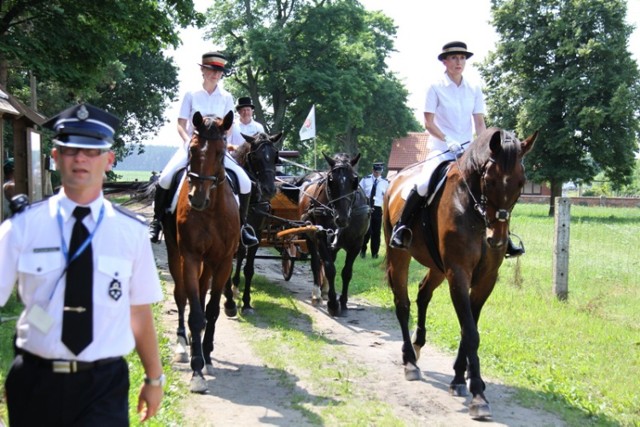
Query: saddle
[(178, 180)]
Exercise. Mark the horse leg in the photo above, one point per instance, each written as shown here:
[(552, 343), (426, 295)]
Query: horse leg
[(196, 321), (180, 296), (397, 276), (429, 283), (316, 292), (230, 307), (347, 274), (468, 308), (327, 257), (248, 277), (212, 313), (240, 256)]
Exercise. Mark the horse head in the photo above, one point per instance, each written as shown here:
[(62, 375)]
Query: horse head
[(341, 186), (497, 158), (260, 161), (207, 148)]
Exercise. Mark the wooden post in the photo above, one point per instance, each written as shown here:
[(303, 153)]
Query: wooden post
[(561, 248)]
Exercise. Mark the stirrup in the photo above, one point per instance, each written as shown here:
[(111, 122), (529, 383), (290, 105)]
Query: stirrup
[(396, 241), (248, 236), (514, 251)]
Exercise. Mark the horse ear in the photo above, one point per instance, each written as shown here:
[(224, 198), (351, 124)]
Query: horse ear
[(355, 160), (197, 119), (275, 138), (527, 144), (331, 162), (228, 120), (249, 139), (495, 144)]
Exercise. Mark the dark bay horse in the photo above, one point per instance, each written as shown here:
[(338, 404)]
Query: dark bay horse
[(461, 236), (258, 156), (202, 238), (334, 201)]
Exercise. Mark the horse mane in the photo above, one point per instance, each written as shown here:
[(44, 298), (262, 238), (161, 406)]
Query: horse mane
[(241, 152), (479, 152)]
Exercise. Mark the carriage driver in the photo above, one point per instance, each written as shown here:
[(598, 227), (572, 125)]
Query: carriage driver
[(210, 100), (453, 106)]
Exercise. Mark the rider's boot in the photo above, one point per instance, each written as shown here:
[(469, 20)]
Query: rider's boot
[(401, 234), (159, 202), (513, 250), (247, 233)]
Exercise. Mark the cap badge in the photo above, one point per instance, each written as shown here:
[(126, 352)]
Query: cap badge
[(83, 113)]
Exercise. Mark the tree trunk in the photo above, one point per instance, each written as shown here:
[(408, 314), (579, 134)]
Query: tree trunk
[(556, 191)]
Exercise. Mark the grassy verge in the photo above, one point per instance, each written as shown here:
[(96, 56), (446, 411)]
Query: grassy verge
[(578, 359)]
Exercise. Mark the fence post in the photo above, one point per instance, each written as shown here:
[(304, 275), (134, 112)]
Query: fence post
[(561, 248)]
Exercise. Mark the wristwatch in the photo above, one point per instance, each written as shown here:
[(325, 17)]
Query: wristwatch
[(156, 382)]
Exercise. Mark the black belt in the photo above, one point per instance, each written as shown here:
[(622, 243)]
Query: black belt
[(66, 366)]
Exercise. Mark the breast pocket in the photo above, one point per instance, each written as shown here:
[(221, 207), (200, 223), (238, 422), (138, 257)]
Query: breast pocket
[(112, 287), (39, 274)]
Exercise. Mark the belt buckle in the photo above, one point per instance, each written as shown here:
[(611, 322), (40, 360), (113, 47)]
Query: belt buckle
[(65, 366)]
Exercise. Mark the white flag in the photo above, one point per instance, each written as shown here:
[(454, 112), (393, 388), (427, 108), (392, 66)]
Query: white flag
[(308, 129)]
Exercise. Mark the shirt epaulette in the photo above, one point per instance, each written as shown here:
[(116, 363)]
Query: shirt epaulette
[(138, 217)]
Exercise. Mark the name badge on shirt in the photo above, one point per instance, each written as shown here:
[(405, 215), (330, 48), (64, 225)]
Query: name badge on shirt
[(40, 319)]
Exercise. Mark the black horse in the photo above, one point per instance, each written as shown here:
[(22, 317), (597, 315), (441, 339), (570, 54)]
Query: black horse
[(258, 156), (334, 201)]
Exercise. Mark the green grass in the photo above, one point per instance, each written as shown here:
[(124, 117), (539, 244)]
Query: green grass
[(578, 358), (126, 176)]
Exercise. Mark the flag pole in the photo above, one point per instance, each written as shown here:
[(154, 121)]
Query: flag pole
[(315, 155)]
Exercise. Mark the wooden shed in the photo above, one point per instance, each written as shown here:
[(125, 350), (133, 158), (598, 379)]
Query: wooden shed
[(26, 145)]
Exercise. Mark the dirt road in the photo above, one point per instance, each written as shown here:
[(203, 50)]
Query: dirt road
[(247, 392)]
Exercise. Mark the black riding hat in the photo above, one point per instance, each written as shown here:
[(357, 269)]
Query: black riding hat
[(452, 48)]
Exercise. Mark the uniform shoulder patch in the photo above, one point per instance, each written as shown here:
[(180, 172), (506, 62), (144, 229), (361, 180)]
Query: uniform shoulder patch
[(138, 217)]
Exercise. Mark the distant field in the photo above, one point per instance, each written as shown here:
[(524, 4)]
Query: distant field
[(133, 175)]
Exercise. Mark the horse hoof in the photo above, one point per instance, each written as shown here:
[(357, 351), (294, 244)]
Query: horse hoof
[(180, 357), (458, 390), (316, 295), (412, 372), (479, 409), (209, 368), (198, 385), (231, 312), (334, 312), (248, 311)]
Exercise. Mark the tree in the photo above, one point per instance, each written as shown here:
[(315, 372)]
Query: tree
[(562, 66), (331, 54), (108, 53)]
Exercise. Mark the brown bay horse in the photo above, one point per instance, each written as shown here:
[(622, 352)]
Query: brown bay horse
[(258, 156), (462, 237), (202, 238), (334, 201)]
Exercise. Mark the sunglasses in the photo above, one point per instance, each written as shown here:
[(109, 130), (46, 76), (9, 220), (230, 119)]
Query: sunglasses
[(73, 151)]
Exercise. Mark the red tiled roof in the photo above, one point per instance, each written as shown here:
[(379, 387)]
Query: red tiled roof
[(408, 150)]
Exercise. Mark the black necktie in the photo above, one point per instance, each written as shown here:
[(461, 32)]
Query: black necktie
[(77, 319), (373, 192)]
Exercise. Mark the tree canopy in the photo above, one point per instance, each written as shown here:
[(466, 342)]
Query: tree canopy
[(290, 55), (563, 67), (108, 53)]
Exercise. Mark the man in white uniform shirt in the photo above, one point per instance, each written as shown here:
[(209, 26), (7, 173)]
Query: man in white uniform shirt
[(87, 277), (374, 187)]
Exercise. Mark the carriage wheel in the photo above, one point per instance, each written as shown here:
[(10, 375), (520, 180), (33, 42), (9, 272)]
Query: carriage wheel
[(288, 261)]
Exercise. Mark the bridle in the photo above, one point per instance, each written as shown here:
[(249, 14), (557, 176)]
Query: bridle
[(215, 180), (480, 207), (257, 175)]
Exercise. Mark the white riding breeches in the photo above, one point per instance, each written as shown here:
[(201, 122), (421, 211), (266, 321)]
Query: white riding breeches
[(436, 157), (179, 160)]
